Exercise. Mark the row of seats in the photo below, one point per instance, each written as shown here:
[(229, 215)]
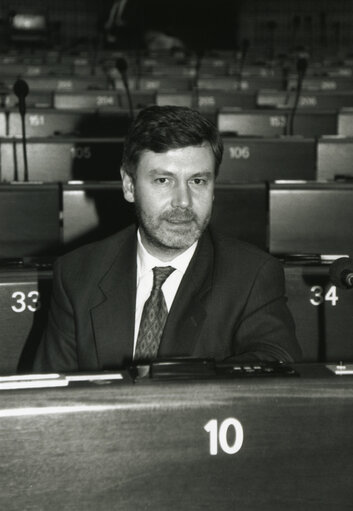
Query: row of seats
[(322, 313), (71, 97), (148, 82), (245, 159), (271, 88), (114, 122), (286, 218), (76, 120), (184, 65)]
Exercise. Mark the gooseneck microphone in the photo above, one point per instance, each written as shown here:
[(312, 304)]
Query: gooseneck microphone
[(341, 272), (302, 65), (21, 90), (122, 67)]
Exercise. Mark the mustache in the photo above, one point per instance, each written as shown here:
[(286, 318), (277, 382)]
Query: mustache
[(179, 215)]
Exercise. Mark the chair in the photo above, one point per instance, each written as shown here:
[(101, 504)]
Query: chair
[(267, 159), (77, 100), (216, 99), (240, 211), (322, 313), (318, 100), (82, 123), (3, 124), (52, 159), (92, 211), (334, 158), (271, 123), (153, 83), (24, 301), (311, 218), (345, 122), (29, 220)]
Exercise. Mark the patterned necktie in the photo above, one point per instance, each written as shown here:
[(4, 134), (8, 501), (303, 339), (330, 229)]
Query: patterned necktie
[(153, 318)]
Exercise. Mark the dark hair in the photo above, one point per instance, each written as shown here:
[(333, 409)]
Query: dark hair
[(161, 128)]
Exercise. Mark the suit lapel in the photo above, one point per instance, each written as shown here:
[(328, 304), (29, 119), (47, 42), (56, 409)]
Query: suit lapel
[(187, 314), (113, 316)]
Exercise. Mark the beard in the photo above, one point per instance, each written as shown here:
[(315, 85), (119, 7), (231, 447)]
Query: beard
[(174, 229)]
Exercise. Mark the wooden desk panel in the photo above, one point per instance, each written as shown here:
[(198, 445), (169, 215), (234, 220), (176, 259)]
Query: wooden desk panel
[(144, 446)]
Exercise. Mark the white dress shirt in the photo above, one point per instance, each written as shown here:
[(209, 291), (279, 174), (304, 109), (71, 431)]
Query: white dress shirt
[(145, 263)]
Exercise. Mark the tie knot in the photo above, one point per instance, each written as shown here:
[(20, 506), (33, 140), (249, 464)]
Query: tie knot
[(161, 273)]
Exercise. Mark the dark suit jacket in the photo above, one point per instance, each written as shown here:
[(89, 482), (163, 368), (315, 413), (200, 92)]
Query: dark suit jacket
[(230, 303)]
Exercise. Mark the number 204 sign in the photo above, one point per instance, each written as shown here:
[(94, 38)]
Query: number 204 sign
[(227, 436)]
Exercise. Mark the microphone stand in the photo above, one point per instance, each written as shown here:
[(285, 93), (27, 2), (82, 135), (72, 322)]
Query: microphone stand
[(24, 147), (21, 90), (121, 66), (301, 66)]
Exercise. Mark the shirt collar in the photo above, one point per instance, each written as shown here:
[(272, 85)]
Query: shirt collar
[(145, 261)]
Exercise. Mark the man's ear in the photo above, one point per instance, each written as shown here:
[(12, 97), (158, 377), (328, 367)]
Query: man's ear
[(128, 186)]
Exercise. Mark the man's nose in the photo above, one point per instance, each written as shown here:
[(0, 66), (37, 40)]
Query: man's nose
[(181, 196)]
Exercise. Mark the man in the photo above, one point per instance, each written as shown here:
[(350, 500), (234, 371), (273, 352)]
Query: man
[(172, 287)]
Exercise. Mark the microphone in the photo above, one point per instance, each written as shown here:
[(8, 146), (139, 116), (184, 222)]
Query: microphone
[(341, 272), (302, 65), (21, 90), (122, 67)]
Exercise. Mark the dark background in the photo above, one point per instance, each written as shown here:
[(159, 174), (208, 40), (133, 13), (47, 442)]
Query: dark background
[(321, 26)]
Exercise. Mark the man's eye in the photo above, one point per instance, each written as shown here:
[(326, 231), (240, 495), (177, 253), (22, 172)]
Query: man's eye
[(161, 180), (199, 181)]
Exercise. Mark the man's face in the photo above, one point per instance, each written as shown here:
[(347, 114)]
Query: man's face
[(173, 195)]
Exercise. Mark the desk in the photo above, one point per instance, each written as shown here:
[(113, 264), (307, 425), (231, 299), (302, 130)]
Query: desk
[(144, 446)]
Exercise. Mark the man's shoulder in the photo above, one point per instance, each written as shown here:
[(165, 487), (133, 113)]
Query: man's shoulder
[(93, 254), (235, 250), (237, 261)]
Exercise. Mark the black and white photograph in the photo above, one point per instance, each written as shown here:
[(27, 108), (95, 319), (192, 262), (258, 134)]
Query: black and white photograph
[(176, 255)]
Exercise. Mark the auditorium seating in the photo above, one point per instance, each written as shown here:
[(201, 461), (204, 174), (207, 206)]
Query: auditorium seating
[(180, 83), (29, 220), (24, 301), (311, 218), (35, 99), (308, 99), (307, 123), (335, 158), (240, 210), (175, 98), (233, 83), (52, 159), (59, 82), (92, 211), (216, 99), (85, 99), (90, 123), (323, 83), (321, 311), (77, 116), (267, 159), (345, 122), (2, 124), (207, 100)]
